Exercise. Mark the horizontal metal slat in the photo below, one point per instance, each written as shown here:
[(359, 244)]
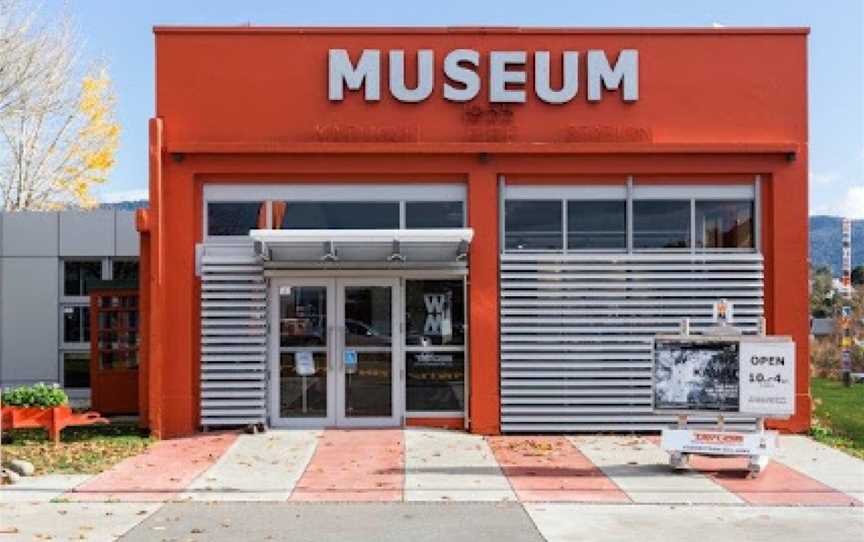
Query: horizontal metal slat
[(252, 384), (208, 404), (611, 400), (713, 293), (626, 276), (507, 382), (575, 359), (543, 365)]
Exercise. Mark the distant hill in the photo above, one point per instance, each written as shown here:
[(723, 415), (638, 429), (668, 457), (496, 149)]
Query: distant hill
[(825, 242), (126, 205)]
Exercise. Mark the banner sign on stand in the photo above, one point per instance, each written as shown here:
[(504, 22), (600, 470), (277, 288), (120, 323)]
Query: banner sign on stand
[(724, 375)]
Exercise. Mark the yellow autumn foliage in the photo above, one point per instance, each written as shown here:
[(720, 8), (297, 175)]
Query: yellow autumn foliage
[(92, 155)]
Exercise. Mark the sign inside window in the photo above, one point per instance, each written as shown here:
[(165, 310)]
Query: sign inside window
[(304, 365), (439, 320), (350, 361)]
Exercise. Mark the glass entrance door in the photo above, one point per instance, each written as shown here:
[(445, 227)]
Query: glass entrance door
[(334, 352), (302, 361), (367, 374)]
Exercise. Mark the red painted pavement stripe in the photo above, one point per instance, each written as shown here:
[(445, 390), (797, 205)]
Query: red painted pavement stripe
[(354, 465), (158, 474), (552, 469), (776, 485)]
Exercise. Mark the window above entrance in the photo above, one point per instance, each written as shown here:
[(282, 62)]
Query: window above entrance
[(232, 211)]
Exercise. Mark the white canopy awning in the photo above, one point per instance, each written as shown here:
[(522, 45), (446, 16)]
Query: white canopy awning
[(370, 248)]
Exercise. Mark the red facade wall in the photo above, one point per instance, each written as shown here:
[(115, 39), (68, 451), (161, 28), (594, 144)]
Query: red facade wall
[(246, 104)]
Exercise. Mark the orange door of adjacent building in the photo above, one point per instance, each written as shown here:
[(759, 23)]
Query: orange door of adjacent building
[(114, 339)]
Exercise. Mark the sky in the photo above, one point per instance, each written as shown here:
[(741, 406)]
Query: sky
[(119, 33)]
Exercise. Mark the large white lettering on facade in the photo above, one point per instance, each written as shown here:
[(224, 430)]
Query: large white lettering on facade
[(507, 75)]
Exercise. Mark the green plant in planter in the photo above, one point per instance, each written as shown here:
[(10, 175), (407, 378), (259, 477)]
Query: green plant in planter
[(37, 395)]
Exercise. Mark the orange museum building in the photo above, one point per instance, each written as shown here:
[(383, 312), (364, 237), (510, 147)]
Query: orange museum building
[(462, 227)]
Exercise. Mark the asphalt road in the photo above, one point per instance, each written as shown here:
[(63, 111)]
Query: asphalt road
[(396, 522)]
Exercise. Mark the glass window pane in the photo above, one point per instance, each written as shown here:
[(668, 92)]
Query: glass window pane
[(369, 386), (435, 381), (302, 395), (661, 224), (77, 273), (434, 313), (336, 215), (596, 225), (235, 218), (724, 224), (303, 316), (76, 324), (434, 214), (76, 370), (126, 270), (533, 225), (368, 318)]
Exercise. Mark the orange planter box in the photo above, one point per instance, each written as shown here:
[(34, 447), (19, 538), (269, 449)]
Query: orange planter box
[(53, 419)]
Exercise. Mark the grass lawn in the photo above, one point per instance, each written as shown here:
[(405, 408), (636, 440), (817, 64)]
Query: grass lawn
[(82, 450), (839, 415)]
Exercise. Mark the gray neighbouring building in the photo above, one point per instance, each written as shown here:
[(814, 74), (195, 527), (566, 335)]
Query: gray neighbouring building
[(46, 261)]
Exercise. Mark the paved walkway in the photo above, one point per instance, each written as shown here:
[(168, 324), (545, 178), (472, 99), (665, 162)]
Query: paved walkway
[(564, 487)]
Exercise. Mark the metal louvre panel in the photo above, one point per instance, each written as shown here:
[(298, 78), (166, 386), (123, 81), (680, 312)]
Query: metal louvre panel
[(233, 336), (576, 332)]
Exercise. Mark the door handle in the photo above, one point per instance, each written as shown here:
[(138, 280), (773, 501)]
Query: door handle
[(342, 345), (331, 332)]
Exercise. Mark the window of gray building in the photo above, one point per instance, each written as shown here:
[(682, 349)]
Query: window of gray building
[(74, 355), (76, 369), (76, 273), (124, 270)]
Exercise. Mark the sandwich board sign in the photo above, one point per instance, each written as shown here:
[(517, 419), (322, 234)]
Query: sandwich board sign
[(722, 375)]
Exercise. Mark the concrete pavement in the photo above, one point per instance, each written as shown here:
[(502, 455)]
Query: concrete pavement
[(451, 466), (641, 470), (93, 522), (447, 483), (42, 488), (263, 467), (567, 522)]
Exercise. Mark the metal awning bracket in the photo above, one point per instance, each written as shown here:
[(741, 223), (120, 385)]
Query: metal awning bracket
[(330, 254), (262, 250), (396, 256), (462, 251)]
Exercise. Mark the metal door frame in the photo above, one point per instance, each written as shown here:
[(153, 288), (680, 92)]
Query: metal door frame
[(335, 352)]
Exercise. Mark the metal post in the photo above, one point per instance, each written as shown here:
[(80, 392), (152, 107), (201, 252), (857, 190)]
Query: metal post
[(846, 311)]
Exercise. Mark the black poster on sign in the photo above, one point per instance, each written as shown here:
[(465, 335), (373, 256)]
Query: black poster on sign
[(696, 376)]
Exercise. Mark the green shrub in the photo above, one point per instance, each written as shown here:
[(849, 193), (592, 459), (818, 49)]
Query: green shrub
[(37, 395)]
